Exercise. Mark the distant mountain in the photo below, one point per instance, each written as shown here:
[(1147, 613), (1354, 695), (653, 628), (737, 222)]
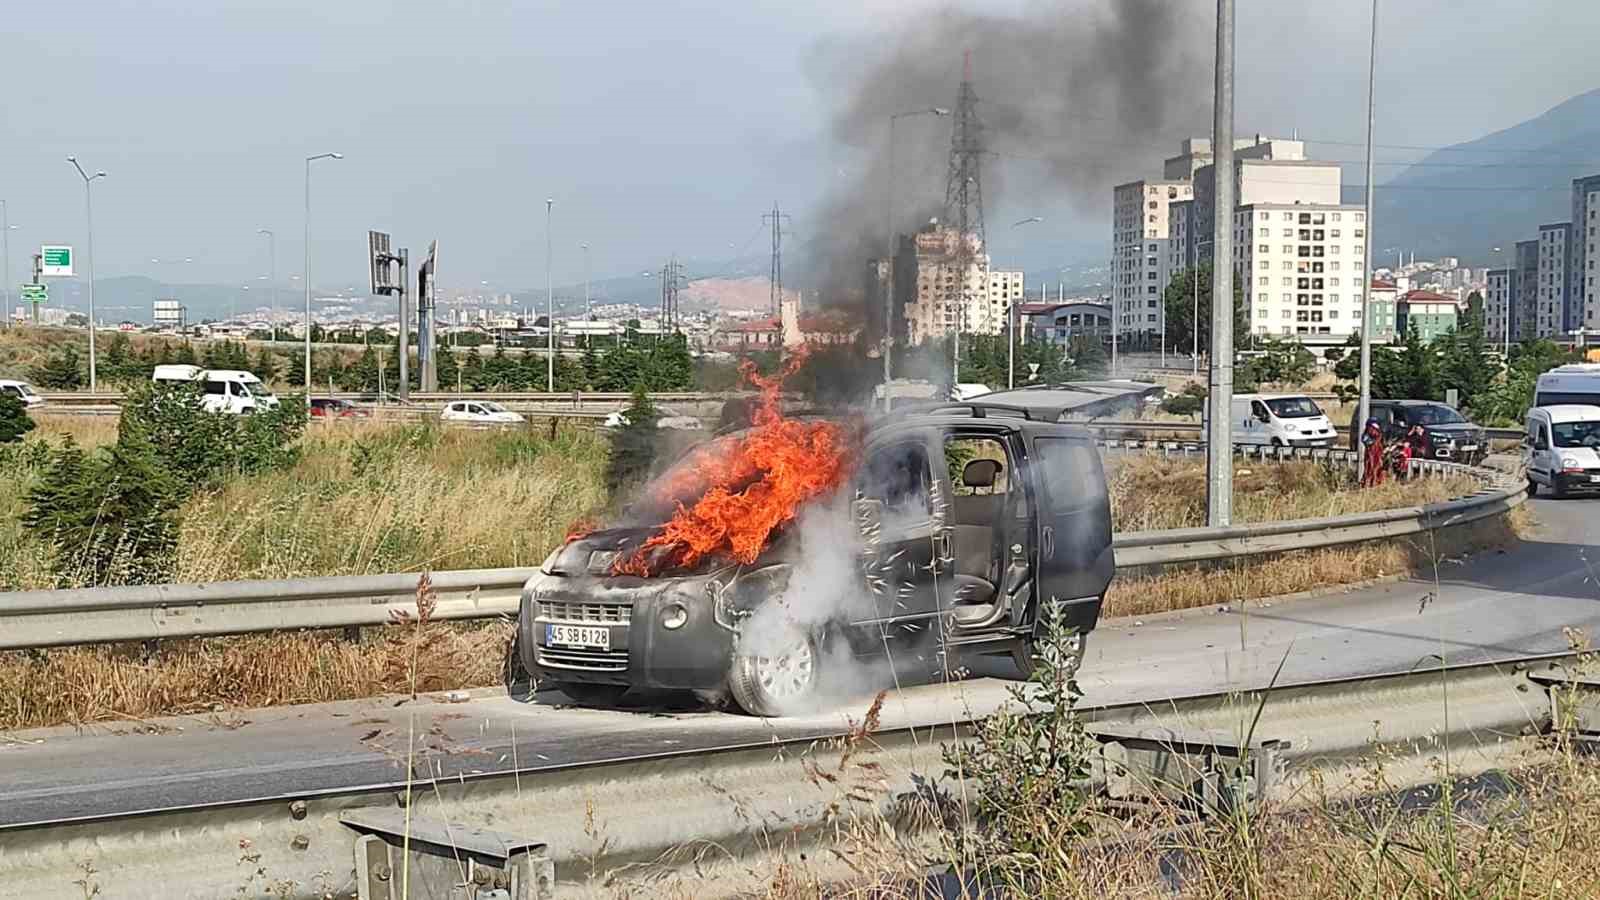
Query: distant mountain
[(1463, 203)]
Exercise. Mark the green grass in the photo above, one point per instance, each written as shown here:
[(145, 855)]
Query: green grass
[(363, 499)]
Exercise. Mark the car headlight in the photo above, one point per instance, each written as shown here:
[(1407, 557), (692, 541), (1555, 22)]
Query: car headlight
[(1290, 428), (550, 561), (1570, 462)]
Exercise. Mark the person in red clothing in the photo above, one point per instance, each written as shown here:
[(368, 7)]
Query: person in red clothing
[(1372, 461)]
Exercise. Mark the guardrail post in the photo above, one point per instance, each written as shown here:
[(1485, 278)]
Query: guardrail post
[(421, 858)]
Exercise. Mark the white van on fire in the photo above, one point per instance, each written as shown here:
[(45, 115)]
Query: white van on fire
[(226, 390), (1280, 420)]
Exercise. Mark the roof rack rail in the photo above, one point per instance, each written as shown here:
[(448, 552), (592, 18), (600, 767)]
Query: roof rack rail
[(977, 408)]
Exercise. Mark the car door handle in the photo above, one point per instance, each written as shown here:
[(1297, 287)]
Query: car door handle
[(1049, 541), (941, 547)]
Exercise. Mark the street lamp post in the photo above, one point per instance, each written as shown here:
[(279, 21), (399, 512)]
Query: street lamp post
[(5, 233), (588, 306), (549, 301), (272, 277), (1364, 405), (1011, 320), (306, 270), (88, 215), (888, 292)]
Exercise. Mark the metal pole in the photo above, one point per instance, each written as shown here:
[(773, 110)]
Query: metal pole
[(403, 389), (1011, 341), (1194, 279), (1364, 408), (888, 289), (272, 278), (1219, 445), (5, 232), (306, 271), (88, 215), (588, 305), (549, 301)]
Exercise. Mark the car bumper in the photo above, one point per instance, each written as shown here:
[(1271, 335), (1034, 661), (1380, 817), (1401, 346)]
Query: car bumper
[(1311, 442), (642, 651), (1578, 483)]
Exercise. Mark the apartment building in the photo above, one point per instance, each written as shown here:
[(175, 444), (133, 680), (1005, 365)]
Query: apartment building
[(951, 289), (1384, 314), (1524, 325), (1583, 292), (1551, 285), (1300, 267), (1141, 262)]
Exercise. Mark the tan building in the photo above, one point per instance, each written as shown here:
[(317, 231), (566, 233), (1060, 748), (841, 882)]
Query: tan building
[(1300, 267), (1141, 261)]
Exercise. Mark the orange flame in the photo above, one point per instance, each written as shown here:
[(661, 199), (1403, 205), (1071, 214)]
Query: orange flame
[(749, 490)]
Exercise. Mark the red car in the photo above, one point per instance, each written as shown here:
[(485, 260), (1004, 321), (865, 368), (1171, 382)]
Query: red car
[(329, 408)]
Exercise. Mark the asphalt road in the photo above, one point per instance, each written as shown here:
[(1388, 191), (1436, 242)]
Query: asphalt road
[(1493, 606)]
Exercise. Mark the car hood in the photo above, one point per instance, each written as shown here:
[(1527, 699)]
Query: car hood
[(592, 555), (1455, 429), (1587, 457)]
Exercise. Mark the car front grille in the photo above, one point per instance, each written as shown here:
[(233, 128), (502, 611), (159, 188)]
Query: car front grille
[(584, 613), (590, 660)]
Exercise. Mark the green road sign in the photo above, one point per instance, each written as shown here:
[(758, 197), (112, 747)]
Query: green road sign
[(56, 261), (35, 293)]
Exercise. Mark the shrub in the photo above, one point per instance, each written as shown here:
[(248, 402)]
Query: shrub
[(61, 371), (110, 517), (633, 450), (201, 448), (14, 420)]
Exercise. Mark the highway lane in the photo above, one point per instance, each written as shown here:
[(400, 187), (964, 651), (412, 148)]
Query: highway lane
[(1495, 605)]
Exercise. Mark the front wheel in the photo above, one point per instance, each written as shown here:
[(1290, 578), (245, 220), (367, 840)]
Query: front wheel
[(1533, 487), (780, 678), (1026, 658)]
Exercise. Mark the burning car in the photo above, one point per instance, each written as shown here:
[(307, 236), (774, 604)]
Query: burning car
[(769, 557)]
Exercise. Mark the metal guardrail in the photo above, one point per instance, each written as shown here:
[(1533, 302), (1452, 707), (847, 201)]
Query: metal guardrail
[(560, 828), (53, 618), (577, 398)]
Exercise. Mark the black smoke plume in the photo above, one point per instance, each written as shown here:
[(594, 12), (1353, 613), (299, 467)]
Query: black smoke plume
[(1074, 98)]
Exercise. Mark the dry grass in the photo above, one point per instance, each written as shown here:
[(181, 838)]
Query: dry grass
[(81, 685), (1153, 492)]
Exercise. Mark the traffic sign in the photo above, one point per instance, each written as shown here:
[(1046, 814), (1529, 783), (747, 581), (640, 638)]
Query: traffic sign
[(56, 261), (35, 293)]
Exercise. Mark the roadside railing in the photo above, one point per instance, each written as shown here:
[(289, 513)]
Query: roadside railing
[(52, 618)]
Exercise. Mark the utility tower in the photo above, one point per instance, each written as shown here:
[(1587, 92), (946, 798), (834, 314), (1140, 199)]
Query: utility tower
[(776, 218), (963, 190), (672, 282)]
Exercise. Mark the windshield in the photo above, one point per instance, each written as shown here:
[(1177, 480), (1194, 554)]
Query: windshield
[(1434, 415), (1576, 434), (26, 391), (1293, 407)]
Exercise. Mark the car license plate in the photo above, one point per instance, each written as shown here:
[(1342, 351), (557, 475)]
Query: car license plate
[(1467, 448), (1594, 479), (578, 636)]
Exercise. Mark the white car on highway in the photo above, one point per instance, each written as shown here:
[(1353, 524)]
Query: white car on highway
[(479, 412), (666, 417), (22, 391)]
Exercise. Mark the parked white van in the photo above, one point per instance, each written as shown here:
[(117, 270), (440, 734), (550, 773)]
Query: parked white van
[(1578, 383), (226, 390), (1280, 420), (22, 391), (1561, 450)]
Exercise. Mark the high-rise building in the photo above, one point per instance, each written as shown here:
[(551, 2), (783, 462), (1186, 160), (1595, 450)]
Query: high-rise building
[(1550, 298), (1140, 259), (1583, 291), (1524, 324), (1299, 267), (942, 296)]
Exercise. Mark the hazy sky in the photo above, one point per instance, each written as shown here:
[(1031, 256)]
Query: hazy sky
[(656, 127)]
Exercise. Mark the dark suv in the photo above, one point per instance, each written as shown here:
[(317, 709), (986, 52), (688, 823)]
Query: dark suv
[(1449, 434), (960, 522)]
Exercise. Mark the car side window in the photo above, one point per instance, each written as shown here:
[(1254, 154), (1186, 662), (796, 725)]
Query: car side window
[(216, 388), (1258, 410), (475, 409), (1069, 469), (899, 476), (8, 389)]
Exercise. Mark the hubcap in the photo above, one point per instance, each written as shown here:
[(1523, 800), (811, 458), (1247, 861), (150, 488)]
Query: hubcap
[(789, 674)]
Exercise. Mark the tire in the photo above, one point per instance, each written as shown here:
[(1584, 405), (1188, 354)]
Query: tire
[(779, 685), (587, 693), (1533, 487), (1022, 656), (1556, 490)]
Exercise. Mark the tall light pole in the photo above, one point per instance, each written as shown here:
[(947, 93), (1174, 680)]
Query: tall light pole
[(88, 217), (888, 292), (5, 233), (1219, 439), (1364, 408), (305, 272), (549, 301), (1011, 320), (272, 276), (588, 307)]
